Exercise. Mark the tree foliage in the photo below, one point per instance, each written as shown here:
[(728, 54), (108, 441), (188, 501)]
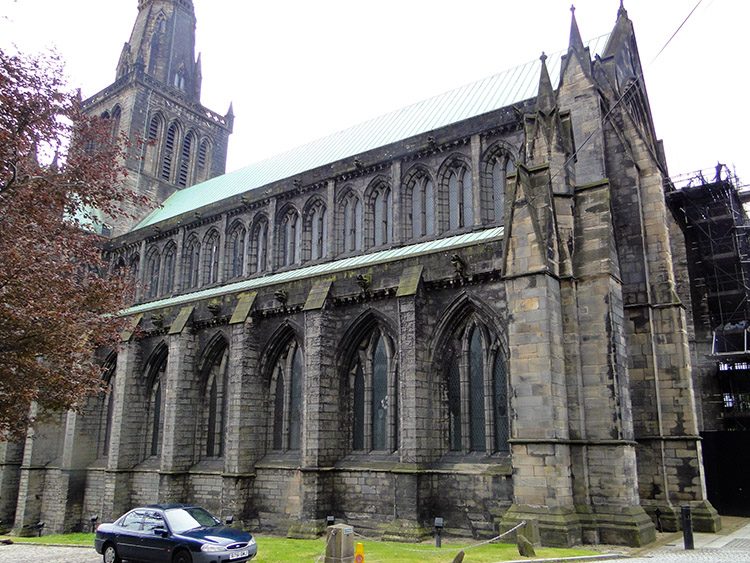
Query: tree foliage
[(57, 306)]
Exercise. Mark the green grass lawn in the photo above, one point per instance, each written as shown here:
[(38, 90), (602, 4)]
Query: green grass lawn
[(282, 550)]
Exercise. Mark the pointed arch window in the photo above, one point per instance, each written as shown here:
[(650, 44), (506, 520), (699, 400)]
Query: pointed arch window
[(169, 148), (201, 164), (259, 247), (477, 397), (460, 199), (383, 215), (319, 232), (169, 266), (154, 127), (352, 236), (152, 273), (187, 149), (212, 258), (287, 392), (237, 252), (215, 401), (156, 403), (135, 263), (192, 263), (423, 207), (116, 116), (107, 409), (374, 385), (494, 185), (290, 239)]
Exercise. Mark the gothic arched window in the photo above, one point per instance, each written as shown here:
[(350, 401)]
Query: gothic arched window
[(211, 253), (169, 266), (422, 207), (116, 116), (192, 263), (154, 127), (460, 198), (152, 273), (258, 259), (352, 235), (155, 419), (290, 239), (107, 408), (287, 397), (496, 169), (201, 165), (374, 384), (169, 148), (237, 252), (135, 264), (187, 149), (215, 397), (476, 393), (383, 216), (318, 232)]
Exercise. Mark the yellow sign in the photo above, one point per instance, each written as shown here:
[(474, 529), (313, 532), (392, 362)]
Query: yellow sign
[(359, 553)]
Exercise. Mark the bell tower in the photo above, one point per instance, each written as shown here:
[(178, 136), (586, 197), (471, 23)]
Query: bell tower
[(155, 101)]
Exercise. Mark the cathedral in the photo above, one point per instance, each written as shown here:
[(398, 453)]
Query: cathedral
[(476, 308)]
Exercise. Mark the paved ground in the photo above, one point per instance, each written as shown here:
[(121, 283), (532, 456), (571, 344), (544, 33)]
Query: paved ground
[(20, 553)]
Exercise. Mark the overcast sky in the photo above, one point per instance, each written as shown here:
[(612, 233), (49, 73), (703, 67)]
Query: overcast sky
[(298, 70)]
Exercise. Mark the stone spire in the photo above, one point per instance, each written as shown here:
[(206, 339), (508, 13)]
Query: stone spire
[(575, 34), (576, 52), (163, 39), (546, 99)]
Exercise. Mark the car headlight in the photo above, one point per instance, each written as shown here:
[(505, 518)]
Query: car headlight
[(212, 548)]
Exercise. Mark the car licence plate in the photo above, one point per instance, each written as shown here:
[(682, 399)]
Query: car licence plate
[(239, 554)]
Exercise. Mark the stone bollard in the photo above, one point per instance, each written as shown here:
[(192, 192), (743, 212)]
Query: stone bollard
[(340, 544)]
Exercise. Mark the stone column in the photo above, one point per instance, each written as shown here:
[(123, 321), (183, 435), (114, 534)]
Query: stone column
[(601, 426), (670, 465), (542, 480), (319, 412), (245, 406), (181, 403), (412, 419), (126, 438)]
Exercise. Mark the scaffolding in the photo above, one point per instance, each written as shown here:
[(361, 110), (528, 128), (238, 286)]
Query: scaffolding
[(710, 205)]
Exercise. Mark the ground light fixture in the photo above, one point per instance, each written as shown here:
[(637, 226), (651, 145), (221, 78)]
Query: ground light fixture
[(438, 530), (93, 521)]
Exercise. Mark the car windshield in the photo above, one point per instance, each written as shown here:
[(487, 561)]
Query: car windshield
[(182, 519)]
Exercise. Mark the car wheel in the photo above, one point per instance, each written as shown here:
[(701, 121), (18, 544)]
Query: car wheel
[(110, 554), (182, 556)]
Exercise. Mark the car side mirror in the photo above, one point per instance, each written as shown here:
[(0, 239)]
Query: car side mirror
[(163, 532)]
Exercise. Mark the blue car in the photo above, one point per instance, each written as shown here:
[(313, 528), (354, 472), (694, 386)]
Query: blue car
[(172, 534)]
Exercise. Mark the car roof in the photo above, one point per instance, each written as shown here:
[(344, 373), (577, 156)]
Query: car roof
[(168, 506)]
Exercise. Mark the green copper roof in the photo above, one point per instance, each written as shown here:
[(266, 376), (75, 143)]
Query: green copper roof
[(409, 251), (495, 92)]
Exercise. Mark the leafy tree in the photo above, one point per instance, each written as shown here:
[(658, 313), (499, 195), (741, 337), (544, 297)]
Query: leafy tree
[(57, 305)]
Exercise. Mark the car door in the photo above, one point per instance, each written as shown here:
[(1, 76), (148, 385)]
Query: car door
[(127, 534), (155, 546)]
